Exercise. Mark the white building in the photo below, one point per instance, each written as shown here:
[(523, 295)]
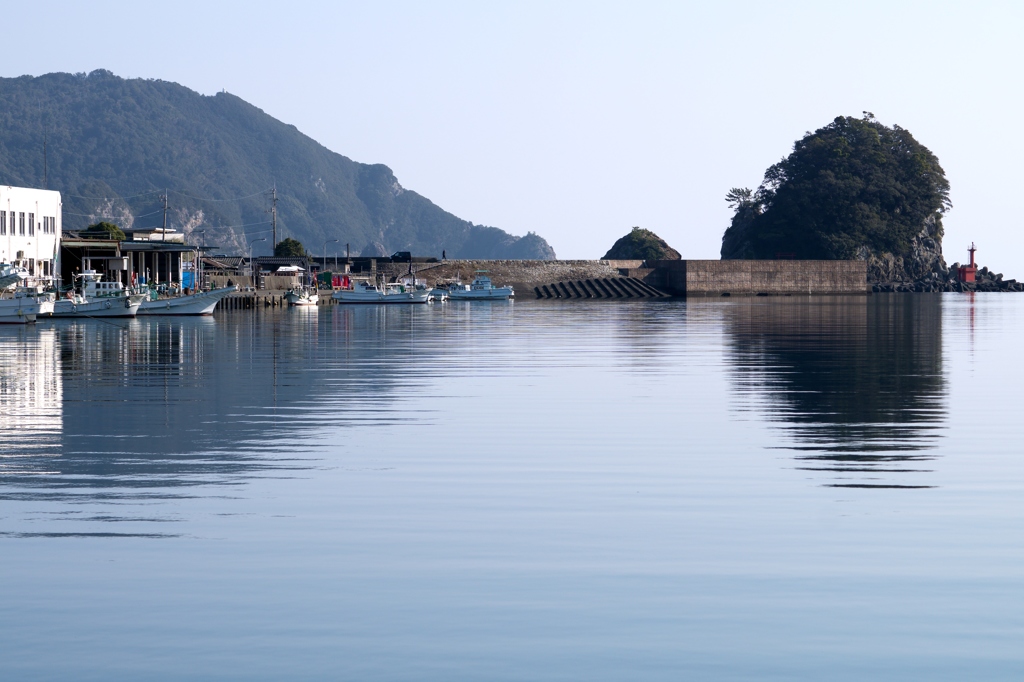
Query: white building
[(30, 224)]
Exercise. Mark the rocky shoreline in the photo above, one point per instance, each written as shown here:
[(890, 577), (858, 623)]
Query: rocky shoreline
[(946, 280)]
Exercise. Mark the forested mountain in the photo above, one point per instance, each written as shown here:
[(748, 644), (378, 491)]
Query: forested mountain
[(113, 146)]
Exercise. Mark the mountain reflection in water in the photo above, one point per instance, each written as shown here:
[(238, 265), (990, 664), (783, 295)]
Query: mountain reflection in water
[(111, 423), (856, 382)]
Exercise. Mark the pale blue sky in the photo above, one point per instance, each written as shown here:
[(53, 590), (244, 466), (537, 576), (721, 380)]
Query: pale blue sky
[(578, 120)]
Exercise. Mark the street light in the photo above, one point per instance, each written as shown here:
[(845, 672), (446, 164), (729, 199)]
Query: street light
[(251, 271), (330, 241)]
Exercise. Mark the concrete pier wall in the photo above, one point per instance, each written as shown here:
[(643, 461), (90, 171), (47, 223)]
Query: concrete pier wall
[(758, 277)]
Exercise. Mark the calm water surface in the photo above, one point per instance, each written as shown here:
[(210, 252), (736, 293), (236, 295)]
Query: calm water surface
[(729, 490)]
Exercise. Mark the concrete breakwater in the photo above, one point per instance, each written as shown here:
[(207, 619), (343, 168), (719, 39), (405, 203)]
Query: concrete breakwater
[(620, 279), (523, 275), (758, 277), (601, 288), (617, 279)]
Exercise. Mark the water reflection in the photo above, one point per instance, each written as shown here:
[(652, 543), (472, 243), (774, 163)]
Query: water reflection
[(31, 399), (107, 426), (856, 383), (132, 416), (157, 410)]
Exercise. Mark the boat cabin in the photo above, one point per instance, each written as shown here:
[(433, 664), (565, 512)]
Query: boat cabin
[(481, 282), (93, 286)]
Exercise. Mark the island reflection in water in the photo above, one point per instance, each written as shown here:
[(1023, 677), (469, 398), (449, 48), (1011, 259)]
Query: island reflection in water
[(107, 424), (855, 382)]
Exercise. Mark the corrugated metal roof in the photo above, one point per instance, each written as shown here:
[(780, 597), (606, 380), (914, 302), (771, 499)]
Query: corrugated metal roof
[(279, 260), (226, 262), (90, 243), (167, 247)]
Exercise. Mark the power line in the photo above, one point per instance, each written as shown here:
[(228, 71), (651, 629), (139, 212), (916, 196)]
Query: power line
[(96, 215), (190, 196), (206, 226), (171, 191), (133, 196), (225, 227)]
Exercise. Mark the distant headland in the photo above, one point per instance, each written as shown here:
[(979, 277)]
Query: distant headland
[(114, 145)]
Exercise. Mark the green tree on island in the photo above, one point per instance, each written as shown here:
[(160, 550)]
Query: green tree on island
[(641, 244), (290, 248), (104, 230), (852, 189)]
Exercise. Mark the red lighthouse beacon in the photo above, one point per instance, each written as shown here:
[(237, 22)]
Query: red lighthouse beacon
[(967, 272)]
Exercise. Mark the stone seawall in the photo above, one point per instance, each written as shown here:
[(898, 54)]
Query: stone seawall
[(523, 275), (758, 277)]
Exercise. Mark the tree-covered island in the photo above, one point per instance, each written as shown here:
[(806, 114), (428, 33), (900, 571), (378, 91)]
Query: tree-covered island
[(854, 189)]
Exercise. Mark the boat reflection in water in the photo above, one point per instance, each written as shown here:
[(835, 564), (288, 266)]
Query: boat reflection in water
[(856, 382), (129, 417), (108, 425)]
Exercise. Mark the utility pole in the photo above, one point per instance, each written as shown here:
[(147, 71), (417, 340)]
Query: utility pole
[(46, 184), (273, 216), (163, 235)]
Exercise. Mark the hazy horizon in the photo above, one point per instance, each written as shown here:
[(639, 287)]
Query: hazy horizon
[(579, 121)]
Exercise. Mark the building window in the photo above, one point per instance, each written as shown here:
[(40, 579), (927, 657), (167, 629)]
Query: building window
[(21, 224), (31, 224), (3, 222)]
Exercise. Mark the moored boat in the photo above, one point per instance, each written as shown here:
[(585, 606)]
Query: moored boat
[(198, 303), (302, 296), (480, 290), (11, 274), (97, 298), (25, 304), (363, 291)]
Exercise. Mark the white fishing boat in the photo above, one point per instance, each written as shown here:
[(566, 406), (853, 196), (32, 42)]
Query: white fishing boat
[(11, 274), (480, 290), (362, 291), (24, 304), (198, 303), (302, 296), (97, 298)]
